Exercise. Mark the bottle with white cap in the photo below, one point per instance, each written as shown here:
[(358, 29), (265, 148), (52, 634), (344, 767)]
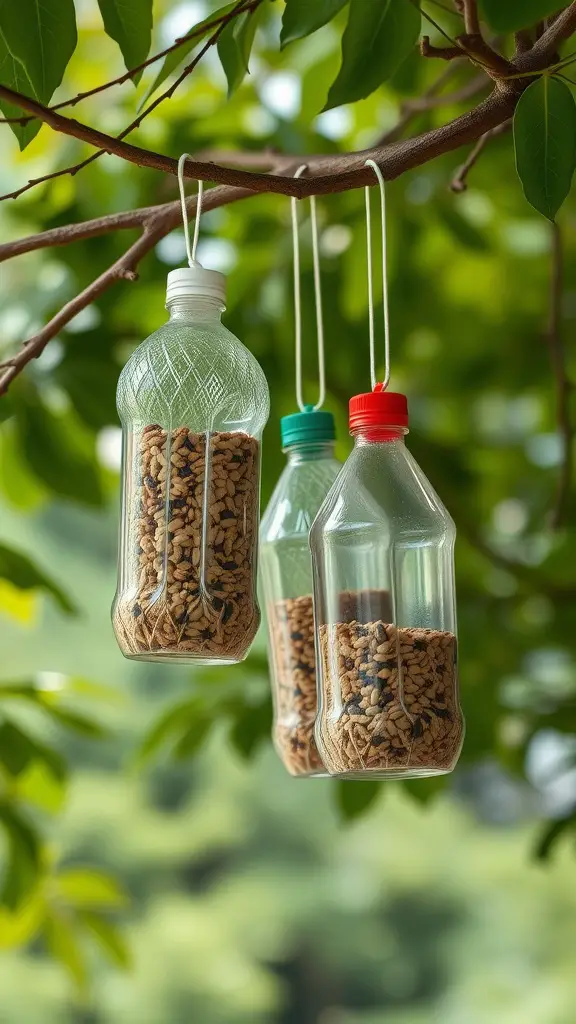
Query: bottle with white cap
[(193, 402)]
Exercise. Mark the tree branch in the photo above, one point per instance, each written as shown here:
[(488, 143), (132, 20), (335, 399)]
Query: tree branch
[(564, 386), (327, 173), (196, 32), (242, 7), (459, 182), (155, 227), (546, 46)]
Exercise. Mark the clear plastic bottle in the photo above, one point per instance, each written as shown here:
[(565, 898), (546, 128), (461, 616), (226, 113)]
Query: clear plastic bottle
[(193, 402), (382, 550), (286, 575)]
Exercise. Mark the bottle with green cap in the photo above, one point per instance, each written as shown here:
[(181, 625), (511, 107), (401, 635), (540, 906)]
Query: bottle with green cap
[(286, 578)]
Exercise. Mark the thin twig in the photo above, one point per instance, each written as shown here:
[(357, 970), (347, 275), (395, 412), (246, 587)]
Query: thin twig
[(241, 8), (459, 182), (132, 73), (125, 268), (564, 386)]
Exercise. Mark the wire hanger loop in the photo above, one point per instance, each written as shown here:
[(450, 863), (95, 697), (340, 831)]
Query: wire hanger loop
[(380, 386), (190, 249), (298, 301)]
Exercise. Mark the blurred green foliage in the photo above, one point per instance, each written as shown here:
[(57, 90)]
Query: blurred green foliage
[(153, 797)]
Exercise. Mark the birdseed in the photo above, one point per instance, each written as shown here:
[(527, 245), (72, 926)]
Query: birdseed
[(390, 699), (291, 624), (194, 595)]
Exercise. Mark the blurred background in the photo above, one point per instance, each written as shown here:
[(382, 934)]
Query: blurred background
[(153, 881)]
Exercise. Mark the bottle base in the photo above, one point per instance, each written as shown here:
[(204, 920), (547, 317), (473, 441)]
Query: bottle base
[(182, 659), (391, 774)]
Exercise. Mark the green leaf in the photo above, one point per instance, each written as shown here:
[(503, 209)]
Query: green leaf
[(167, 725), (129, 23), (173, 60), (54, 451), (37, 39), (88, 889), (551, 834), (109, 938), (354, 798), (18, 568), (192, 739), (377, 38), (90, 381), (302, 17), (510, 15), (234, 46), (251, 726), (6, 407), (41, 787), (423, 791), (18, 750), (461, 229), (545, 143), (63, 944), (77, 723), (23, 861)]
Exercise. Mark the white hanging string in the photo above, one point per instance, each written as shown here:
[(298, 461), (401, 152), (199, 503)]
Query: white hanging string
[(386, 381), (190, 250), (298, 301)]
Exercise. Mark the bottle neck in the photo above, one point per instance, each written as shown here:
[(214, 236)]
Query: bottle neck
[(377, 435), (195, 307), (310, 451)]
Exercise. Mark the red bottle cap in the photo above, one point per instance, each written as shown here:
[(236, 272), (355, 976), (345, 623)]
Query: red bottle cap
[(378, 409)]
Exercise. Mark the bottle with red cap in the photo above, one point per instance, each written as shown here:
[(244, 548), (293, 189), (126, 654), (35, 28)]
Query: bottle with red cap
[(384, 599)]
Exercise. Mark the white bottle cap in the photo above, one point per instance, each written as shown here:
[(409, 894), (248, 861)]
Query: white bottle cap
[(195, 281)]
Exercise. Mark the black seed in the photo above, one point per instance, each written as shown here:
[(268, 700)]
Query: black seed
[(236, 458), (217, 603), (349, 664), (301, 666), (136, 611), (151, 481), (298, 692), (228, 609), (296, 636), (226, 514), (185, 471), (219, 451), (377, 740), (440, 698), (389, 664), (230, 565), (417, 728), (441, 713), (218, 548), (188, 444), (420, 645), (426, 717), (385, 699), (352, 707), (183, 618), (206, 634), (177, 503), (381, 633), (217, 586)]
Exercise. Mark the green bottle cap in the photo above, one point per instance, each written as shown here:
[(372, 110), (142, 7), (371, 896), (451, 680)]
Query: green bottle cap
[(307, 427)]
